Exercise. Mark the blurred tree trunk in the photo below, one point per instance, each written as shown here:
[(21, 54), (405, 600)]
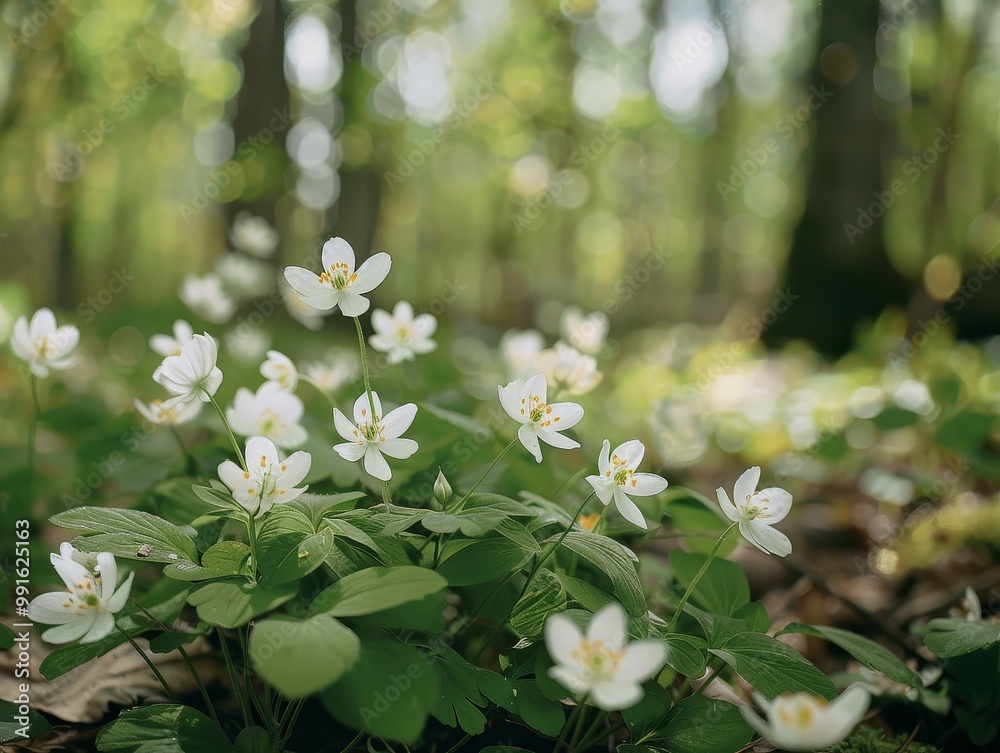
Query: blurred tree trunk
[(841, 277)]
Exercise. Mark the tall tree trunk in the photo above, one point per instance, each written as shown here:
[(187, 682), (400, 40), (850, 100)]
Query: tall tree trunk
[(842, 276)]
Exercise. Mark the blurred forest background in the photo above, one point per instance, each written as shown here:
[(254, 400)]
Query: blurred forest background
[(528, 150)]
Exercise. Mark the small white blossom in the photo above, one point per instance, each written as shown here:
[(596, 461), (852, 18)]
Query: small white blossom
[(166, 345), (567, 370), (192, 375), (401, 335), (602, 665), (268, 479), (519, 350), (370, 437), (278, 368), (168, 414), (340, 284), (86, 609), (206, 297), (338, 369), (298, 309), (243, 277), (617, 479), (525, 402), (254, 235), (43, 345), (804, 722), (270, 412), (585, 332), (756, 511)]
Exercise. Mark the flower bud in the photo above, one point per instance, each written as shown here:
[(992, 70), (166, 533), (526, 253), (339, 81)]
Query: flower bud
[(442, 489)]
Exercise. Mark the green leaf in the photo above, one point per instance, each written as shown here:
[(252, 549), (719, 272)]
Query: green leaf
[(700, 518), (545, 596), (222, 560), (480, 560), (301, 657), (537, 711), (615, 561), (589, 596), (388, 692), (163, 728), (377, 589), (291, 557), (315, 506), (647, 716), (722, 589), (755, 616), (15, 727), (519, 534), (773, 667), (954, 636), (688, 654), (465, 689), (704, 725), (965, 432), (123, 532), (6, 637), (164, 602), (254, 740), (230, 604), (866, 651)]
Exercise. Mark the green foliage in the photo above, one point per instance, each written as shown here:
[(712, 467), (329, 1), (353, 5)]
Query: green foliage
[(165, 728), (868, 740), (866, 651)]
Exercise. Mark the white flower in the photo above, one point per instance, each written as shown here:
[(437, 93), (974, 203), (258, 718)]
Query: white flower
[(374, 436), (401, 335), (254, 235), (85, 611), (585, 332), (166, 345), (617, 479), (567, 370), (520, 349), (340, 368), (804, 722), (339, 284), (278, 368), (525, 403), (268, 479), (756, 511), (166, 413), (42, 345), (244, 277), (602, 665), (270, 412), (206, 297), (193, 374)]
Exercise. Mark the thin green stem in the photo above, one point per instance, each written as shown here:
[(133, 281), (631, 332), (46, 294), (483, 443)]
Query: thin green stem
[(352, 743), (320, 390), (464, 499), (251, 693), (694, 582), (577, 730), (571, 722), (229, 430), (239, 691), (711, 678), (152, 667), (296, 707), (386, 496), (364, 369), (599, 721), (188, 460), (252, 537), (588, 741), (459, 744)]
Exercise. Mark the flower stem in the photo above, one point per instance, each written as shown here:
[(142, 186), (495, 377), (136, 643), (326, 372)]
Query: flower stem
[(364, 369), (694, 582), (352, 743), (240, 692), (320, 390), (464, 499), (252, 537), (149, 663), (229, 430), (571, 722)]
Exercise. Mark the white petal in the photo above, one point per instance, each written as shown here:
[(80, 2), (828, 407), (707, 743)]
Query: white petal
[(616, 696), (103, 625), (565, 415), (424, 326), (232, 475), (363, 408), (261, 452), (295, 468), (43, 324), (765, 538), (628, 508), (398, 420), (66, 338), (71, 631), (48, 608), (535, 386), (761, 727), (604, 459), (851, 706), (728, 509), (293, 436), (510, 399), (72, 573), (383, 323), (371, 273), (398, 448), (604, 488), (118, 599), (569, 679), (312, 292), (337, 250), (746, 485), (562, 637), (352, 451), (352, 304), (344, 427), (645, 484), (375, 464), (555, 439), (108, 569), (631, 452), (529, 439), (778, 503), (609, 626), (642, 660)]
